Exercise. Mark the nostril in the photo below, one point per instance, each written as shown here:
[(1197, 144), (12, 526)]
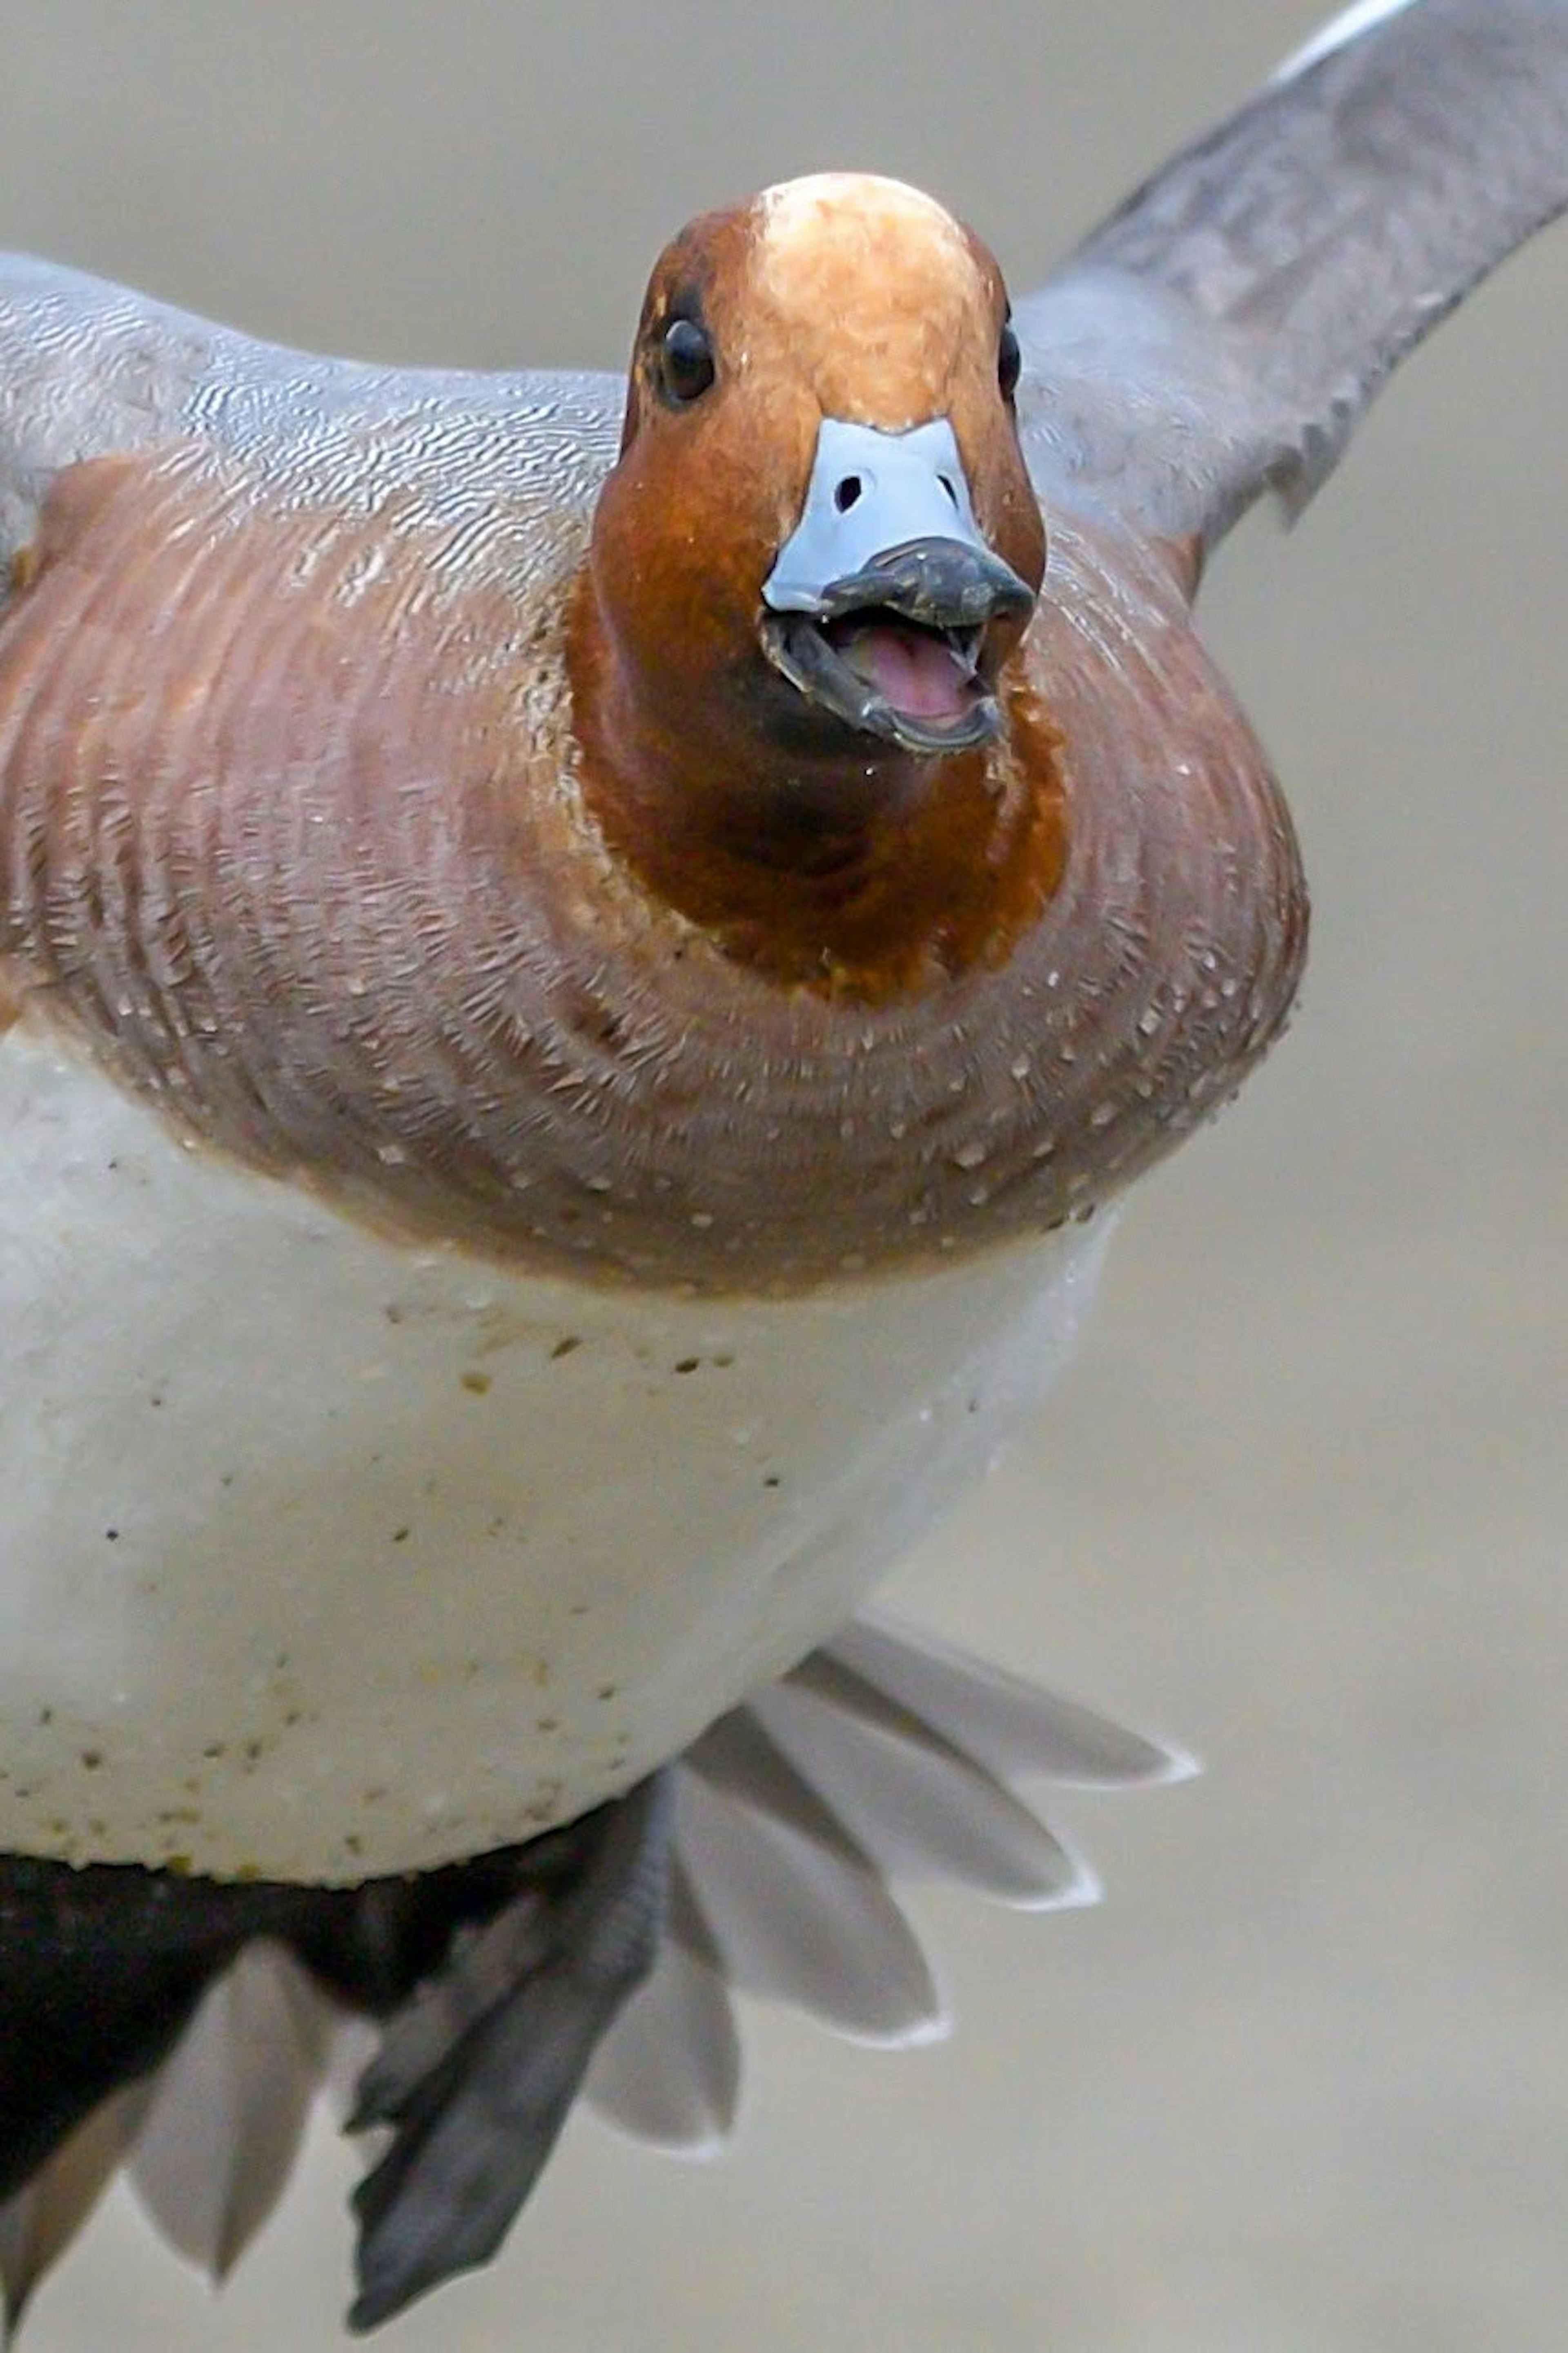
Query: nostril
[(946, 481), (847, 491)]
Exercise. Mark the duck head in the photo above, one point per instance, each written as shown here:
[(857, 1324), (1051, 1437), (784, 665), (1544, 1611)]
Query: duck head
[(819, 546)]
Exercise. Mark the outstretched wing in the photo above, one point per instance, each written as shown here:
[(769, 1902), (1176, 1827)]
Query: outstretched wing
[(90, 371), (1222, 333)]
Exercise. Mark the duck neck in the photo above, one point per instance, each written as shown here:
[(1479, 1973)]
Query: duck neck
[(869, 873)]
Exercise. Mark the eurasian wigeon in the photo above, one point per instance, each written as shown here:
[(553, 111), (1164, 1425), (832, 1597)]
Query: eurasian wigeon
[(581, 972)]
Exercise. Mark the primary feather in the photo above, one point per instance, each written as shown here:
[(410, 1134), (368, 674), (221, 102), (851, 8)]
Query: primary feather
[(1223, 333)]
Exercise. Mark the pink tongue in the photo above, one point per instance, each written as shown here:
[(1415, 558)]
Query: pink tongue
[(911, 670)]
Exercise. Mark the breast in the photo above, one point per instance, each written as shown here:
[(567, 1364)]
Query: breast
[(296, 837), (327, 1555)]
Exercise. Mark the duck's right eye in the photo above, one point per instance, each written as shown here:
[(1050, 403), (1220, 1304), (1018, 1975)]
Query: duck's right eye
[(685, 361), (1009, 361)]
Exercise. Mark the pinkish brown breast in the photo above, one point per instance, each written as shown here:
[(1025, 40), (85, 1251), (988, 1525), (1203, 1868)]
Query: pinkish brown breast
[(296, 846)]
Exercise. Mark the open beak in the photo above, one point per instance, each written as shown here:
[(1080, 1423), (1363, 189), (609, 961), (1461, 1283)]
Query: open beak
[(880, 604)]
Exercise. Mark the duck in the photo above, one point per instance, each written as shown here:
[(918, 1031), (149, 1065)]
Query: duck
[(584, 966)]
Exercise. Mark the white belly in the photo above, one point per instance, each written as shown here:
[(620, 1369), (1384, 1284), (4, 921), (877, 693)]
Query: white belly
[(325, 1558)]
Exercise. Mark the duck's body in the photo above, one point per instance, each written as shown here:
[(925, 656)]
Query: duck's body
[(570, 989), (276, 1530), (573, 1320)]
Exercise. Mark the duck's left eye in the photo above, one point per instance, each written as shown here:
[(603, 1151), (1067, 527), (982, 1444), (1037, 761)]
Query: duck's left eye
[(686, 362), (1009, 360)]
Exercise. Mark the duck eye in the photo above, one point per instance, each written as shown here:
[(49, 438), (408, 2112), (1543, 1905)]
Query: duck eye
[(685, 361), (1009, 360)]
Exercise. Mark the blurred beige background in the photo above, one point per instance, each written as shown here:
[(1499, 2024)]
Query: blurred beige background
[(1301, 2085)]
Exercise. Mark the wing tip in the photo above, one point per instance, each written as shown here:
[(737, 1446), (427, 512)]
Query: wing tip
[(1080, 1893), (1169, 1764), (1348, 25)]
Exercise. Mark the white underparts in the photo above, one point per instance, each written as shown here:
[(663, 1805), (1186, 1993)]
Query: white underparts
[(326, 1557)]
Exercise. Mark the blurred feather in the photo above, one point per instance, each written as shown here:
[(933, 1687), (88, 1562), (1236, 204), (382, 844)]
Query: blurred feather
[(669, 2072), (221, 2128), (923, 1809), (907, 1680), (803, 1919), (39, 2223)]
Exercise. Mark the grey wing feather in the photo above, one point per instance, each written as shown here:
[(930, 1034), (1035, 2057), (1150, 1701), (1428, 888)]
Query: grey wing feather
[(90, 370), (1222, 332)]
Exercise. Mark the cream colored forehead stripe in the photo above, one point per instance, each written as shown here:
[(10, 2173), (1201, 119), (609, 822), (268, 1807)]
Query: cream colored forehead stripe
[(791, 217)]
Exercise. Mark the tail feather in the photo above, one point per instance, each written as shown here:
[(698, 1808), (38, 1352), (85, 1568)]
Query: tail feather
[(218, 2134), (668, 2072), (40, 2222), (885, 1757), (921, 1809), (803, 1919), (1009, 1726)]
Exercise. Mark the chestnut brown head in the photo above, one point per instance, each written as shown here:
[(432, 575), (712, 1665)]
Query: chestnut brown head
[(820, 542)]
